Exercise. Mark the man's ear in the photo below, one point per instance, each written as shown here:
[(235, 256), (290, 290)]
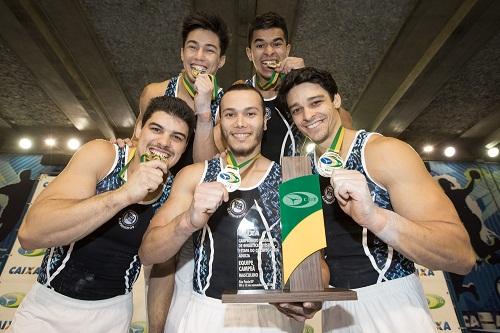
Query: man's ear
[(182, 54), (337, 101), (288, 49), (222, 61), (138, 129), (249, 53)]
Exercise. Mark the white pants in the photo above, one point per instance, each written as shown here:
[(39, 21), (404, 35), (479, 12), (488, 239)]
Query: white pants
[(393, 306), (183, 287), (44, 310), (209, 315)]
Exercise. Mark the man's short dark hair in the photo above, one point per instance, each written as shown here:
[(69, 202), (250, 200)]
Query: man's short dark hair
[(214, 23), (173, 106), (303, 75), (245, 87), (267, 21)]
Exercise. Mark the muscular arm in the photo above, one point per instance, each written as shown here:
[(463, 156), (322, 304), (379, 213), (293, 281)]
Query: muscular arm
[(424, 225), (160, 291), (204, 147), (170, 228), (68, 209), (187, 209)]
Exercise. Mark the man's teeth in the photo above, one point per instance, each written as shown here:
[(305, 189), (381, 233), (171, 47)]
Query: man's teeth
[(313, 125), (241, 135)]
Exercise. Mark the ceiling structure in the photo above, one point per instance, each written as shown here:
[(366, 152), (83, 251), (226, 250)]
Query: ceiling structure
[(427, 72)]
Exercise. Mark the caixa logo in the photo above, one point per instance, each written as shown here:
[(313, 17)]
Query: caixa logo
[(11, 300), (31, 253), (300, 199), (434, 301), (138, 327)]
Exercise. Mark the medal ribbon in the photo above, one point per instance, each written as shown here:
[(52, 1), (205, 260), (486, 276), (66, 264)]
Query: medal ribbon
[(231, 160), (130, 156), (192, 90), (337, 140), (271, 82)]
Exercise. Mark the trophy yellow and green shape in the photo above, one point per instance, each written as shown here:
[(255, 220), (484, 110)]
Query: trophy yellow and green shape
[(303, 237)]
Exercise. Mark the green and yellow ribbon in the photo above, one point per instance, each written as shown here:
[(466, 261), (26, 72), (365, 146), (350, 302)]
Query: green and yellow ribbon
[(192, 90), (337, 140), (231, 160), (271, 82)]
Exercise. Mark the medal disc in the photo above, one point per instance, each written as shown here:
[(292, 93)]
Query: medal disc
[(328, 162), (230, 178)]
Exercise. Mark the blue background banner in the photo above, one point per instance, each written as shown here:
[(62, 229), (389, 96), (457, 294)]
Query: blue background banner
[(474, 190)]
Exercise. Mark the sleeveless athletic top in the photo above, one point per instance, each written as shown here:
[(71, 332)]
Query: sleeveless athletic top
[(240, 247), (282, 138), (105, 263), (172, 91), (355, 256)]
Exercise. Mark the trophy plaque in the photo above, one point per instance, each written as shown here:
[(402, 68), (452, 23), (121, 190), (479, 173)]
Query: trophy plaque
[(303, 236)]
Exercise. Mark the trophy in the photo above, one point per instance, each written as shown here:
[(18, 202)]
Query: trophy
[(303, 236)]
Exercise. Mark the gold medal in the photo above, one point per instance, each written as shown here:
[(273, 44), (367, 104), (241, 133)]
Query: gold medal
[(149, 156), (197, 70), (230, 178), (271, 63), (328, 162)]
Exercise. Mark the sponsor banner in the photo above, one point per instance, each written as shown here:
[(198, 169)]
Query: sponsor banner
[(438, 299), (17, 176), (11, 296), (473, 190), (485, 321)]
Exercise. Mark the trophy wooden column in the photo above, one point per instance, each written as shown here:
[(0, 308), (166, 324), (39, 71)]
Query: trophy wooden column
[(305, 283)]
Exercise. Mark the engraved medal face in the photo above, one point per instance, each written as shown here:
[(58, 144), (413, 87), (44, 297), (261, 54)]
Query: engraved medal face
[(328, 162), (230, 178)]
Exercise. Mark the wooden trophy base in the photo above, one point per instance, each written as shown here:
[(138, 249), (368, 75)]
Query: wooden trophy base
[(287, 296)]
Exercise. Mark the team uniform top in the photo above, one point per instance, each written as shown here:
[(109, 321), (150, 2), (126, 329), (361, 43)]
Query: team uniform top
[(355, 256), (245, 230), (105, 263), (173, 91), (282, 138)]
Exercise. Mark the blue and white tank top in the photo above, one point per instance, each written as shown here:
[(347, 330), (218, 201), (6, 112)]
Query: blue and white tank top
[(105, 263), (173, 91), (240, 247), (355, 256)]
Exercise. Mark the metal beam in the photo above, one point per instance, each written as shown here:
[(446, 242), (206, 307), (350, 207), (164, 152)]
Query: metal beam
[(21, 42), (404, 60), (59, 22), (487, 129), (467, 32)]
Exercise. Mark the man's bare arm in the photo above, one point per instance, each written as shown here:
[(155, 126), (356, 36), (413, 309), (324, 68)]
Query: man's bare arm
[(424, 225), (160, 292), (187, 209), (68, 209), (204, 147)]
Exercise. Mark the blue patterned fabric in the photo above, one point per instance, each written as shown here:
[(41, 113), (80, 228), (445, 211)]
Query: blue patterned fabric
[(345, 237), (216, 246), (214, 106), (105, 263)]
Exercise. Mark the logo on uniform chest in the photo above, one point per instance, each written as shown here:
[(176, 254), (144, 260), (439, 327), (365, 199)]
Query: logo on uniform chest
[(128, 220), (237, 208), (328, 195)]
